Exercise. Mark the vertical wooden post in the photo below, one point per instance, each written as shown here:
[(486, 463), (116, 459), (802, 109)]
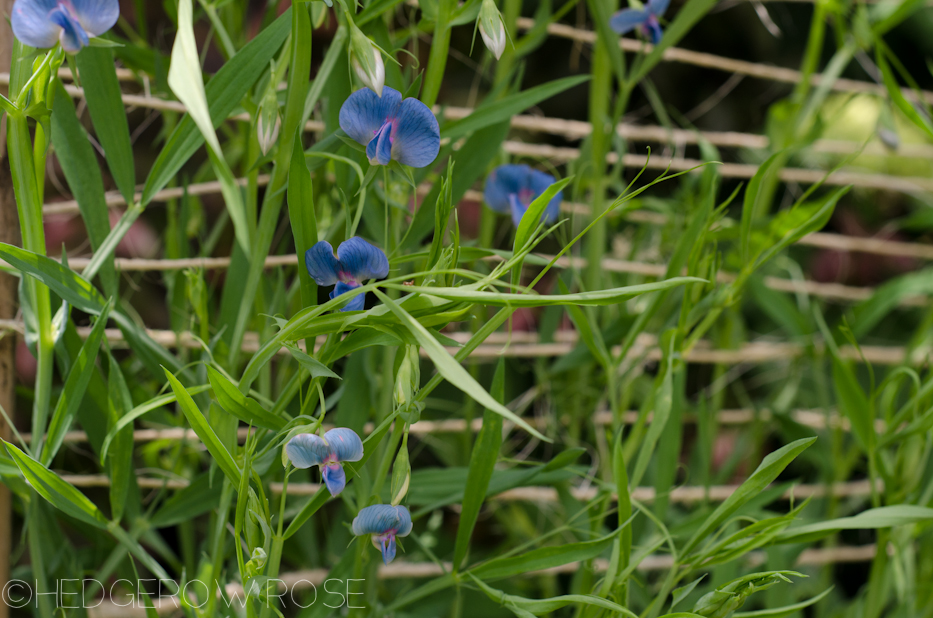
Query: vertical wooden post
[(9, 233)]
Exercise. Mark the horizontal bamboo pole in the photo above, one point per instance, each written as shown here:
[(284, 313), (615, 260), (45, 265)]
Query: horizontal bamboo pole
[(721, 63), (308, 579), (815, 419), (645, 348), (679, 495)]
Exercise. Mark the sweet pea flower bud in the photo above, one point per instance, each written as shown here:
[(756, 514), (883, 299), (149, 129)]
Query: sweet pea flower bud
[(491, 28), (259, 557), (268, 121), (366, 60), (401, 475), (408, 376)]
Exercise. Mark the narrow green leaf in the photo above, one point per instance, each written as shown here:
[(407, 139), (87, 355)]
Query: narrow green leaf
[(186, 81), (316, 368), (244, 408), (482, 465), (751, 208), (105, 103), (764, 475), (611, 296), (223, 93), (61, 494), (503, 109), (203, 429), (787, 610), (532, 217), (451, 370), (872, 519), (75, 290), (79, 164), (75, 386), (543, 558), (120, 464), (303, 219)]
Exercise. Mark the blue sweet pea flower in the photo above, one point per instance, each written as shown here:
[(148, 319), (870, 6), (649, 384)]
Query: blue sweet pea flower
[(646, 20), (40, 23), (337, 446), (512, 188), (355, 262), (391, 128), (384, 523)]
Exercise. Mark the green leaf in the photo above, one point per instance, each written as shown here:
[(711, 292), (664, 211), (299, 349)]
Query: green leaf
[(897, 96), (787, 610), (186, 81), (611, 296), (503, 109), (105, 103), (799, 221), (223, 93), (854, 403), (450, 369), (872, 519), (303, 219), (120, 464), (521, 606), (664, 399), (73, 289), (532, 217), (316, 368), (764, 475), (244, 408), (202, 495), (61, 494), (79, 163), (204, 431), (75, 386), (751, 208), (482, 465), (543, 558)]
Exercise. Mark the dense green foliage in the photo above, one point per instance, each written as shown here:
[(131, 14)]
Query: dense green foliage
[(554, 403)]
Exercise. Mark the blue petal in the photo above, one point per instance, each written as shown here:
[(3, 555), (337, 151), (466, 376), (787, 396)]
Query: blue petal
[(388, 549), (96, 16), (404, 522), (653, 30), (31, 23), (358, 301), (657, 7), (379, 150), (334, 478), (382, 518), (539, 184), (416, 137), (73, 37), (364, 112), (345, 444), (627, 20), (306, 450), (362, 260), (502, 181), (322, 264)]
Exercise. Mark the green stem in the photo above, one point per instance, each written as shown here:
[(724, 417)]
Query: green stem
[(272, 203), (437, 60)]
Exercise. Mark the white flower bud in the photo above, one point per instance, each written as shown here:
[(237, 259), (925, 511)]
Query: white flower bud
[(268, 121), (367, 61), (491, 28)]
